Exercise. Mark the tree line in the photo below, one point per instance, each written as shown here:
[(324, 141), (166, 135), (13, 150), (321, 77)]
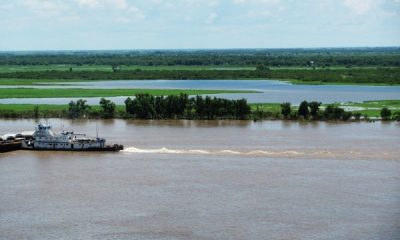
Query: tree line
[(145, 106), (312, 110), (239, 57), (352, 75)]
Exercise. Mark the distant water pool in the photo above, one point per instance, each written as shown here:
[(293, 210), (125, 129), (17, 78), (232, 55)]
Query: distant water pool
[(270, 90)]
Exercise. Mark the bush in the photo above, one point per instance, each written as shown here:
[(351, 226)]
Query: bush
[(386, 114), (357, 116)]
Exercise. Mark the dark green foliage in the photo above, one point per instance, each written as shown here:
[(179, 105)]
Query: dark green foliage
[(145, 106), (336, 113), (333, 113), (314, 109), (286, 109), (79, 109), (262, 68), (303, 110), (346, 116), (357, 75), (357, 116), (383, 64), (240, 57), (386, 114), (107, 108)]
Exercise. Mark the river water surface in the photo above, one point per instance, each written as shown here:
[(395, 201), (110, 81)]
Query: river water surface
[(207, 180)]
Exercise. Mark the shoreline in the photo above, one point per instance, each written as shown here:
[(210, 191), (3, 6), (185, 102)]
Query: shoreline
[(367, 111)]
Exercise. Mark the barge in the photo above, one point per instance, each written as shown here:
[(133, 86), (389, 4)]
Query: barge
[(9, 146), (44, 139)]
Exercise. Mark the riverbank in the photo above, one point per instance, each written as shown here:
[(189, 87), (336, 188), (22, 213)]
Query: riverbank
[(371, 109)]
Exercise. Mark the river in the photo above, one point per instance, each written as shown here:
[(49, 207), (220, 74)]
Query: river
[(269, 91), (207, 180)]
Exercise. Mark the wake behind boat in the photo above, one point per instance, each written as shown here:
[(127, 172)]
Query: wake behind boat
[(44, 139)]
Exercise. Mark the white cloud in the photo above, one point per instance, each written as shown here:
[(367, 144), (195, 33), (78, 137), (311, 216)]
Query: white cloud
[(120, 4), (360, 7), (45, 7), (87, 3)]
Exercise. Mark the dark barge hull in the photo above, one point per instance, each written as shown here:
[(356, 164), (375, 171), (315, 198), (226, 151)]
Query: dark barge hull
[(9, 147), (113, 148)]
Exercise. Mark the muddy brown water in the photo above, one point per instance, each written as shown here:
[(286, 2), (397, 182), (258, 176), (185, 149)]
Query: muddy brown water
[(207, 180)]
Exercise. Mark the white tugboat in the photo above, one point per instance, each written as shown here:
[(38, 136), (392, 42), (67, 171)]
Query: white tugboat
[(44, 139)]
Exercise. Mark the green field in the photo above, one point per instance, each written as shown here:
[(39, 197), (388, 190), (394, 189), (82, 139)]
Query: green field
[(62, 93)]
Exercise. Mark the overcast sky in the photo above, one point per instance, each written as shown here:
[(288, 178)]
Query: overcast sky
[(160, 24)]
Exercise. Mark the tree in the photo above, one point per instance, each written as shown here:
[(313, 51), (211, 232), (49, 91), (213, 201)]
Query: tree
[(386, 114), (333, 112), (357, 116), (346, 116), (303, 109), (141, 107), (107, 108), (242, 109), (314, 109), (78, 109), (262, 68), (115, 68), (199, 107), (286, 109)]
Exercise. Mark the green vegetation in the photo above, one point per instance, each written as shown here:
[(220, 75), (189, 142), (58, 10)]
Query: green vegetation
[(329, 57), (386, 114), (107, 109), (389, 76), (108, 68), (61, 93), (371, 109), (377, 66), (145, 106)]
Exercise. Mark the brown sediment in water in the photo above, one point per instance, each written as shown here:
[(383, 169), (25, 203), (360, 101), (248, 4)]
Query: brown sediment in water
[(207, 180)]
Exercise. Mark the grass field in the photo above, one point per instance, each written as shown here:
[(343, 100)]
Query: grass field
[(27, 82), (61, 93)]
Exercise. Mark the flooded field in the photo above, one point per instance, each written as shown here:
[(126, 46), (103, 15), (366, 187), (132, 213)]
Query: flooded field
[(207, 180)]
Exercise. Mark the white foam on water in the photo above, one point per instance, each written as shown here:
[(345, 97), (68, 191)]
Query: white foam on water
[(212, 152), (230, 152)]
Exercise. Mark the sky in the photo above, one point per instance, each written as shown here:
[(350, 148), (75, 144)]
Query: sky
[(197, 24)]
